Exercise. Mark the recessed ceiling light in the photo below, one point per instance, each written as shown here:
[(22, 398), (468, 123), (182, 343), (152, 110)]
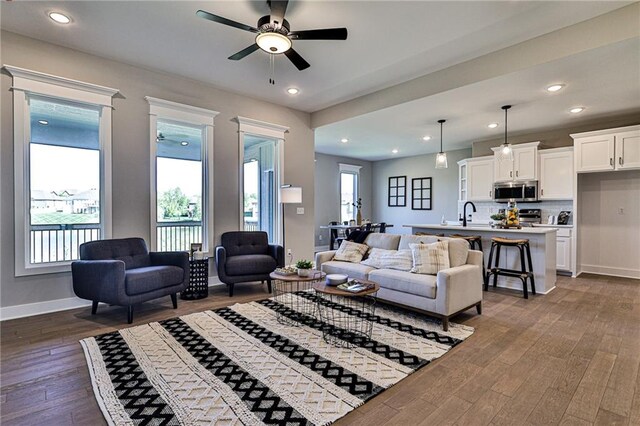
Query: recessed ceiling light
[(184, 143), (344, 140), (426, 138), (395, 151), (43, 122), (59, 18), (555, 87), (293, 90), (576, 110), (492, 125)]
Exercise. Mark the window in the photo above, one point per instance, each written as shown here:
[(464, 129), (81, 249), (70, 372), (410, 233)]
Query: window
[(62, 181), (261, 154), (349, 175), (182, 176)]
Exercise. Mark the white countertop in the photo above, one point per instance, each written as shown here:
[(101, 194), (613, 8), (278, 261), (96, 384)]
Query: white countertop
[(544, 225), (526, 230)]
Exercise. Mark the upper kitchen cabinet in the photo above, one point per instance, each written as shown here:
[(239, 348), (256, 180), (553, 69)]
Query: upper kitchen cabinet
[(523, 167), (606, 150), (476, 179), (556, 174)]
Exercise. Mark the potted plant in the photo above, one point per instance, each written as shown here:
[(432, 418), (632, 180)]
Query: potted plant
[(498, 219), (304, 267)]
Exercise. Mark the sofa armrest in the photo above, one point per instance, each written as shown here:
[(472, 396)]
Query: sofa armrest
[(277, 252), (475, 257), (458, 288), (324, 256), (172, 258), (100, 280), (221, 260)]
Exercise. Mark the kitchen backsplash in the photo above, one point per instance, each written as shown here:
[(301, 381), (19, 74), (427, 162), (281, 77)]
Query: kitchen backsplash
[(486, 208)]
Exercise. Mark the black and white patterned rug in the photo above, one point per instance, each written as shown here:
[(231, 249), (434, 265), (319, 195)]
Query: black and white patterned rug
[(240, 365)]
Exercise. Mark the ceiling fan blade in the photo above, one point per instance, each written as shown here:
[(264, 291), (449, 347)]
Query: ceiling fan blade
[(324, 34), (278, 9), (225, 21), (244, 52), (297, 60)]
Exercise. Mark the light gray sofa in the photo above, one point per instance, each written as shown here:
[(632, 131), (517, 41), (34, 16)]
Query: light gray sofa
[(444, 295)]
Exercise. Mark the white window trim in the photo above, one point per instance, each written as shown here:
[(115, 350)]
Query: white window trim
[(27, 82), (269, 130), (168, 110), (351, 169)]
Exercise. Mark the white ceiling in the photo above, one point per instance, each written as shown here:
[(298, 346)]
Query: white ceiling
[(389, 42)]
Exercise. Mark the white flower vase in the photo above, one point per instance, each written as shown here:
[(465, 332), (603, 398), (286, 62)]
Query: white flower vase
[(304, 272)]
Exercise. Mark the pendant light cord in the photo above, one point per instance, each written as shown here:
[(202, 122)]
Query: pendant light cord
[(441, 123), (505, 108)]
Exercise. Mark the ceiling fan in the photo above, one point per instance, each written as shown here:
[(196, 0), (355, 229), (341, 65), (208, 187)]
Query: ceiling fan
[(274, 35), (162, 138)]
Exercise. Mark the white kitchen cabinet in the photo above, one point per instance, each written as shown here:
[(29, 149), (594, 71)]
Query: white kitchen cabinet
[(523, 167), (606, 150), (563, 254), (556, 174), (476, 179)]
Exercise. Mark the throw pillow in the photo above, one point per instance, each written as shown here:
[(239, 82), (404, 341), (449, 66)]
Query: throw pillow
[(430, 258), (400, 260), (351, 252)]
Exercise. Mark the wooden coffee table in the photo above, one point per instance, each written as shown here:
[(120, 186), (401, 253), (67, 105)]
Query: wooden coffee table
[(287, 289), (346, 315)]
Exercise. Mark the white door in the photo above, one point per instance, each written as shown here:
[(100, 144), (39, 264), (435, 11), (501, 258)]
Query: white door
[(556, 175), (480, 180), (524, 163), (594, 153), (502, 169), (628, 150), (563, 254)]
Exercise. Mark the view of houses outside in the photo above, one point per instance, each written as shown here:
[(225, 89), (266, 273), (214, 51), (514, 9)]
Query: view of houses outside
[(251, 204)]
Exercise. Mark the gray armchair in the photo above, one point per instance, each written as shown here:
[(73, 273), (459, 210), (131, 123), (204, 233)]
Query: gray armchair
[(123, 272), (245, 256)]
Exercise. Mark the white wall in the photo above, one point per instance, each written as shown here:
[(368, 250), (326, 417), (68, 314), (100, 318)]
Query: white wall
[(444, 194), (131, 162), (608, 240)]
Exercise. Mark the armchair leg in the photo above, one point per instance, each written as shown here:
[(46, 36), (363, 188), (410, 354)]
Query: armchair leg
[(94, 307), (479, 308), (130, 314), (230, 289), (269, 285), (174, 300), (445, 324)]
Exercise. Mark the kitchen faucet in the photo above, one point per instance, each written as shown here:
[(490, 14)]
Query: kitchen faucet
[(464, 212)]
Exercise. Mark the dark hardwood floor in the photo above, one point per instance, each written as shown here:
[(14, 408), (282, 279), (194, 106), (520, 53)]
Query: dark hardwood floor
[(570, 357)]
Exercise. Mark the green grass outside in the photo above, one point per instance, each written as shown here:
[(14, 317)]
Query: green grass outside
[(56, 218)]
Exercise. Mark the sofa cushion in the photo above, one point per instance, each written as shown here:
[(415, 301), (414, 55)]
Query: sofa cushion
[(383, 241), (150, 278), (352, 270), (132, 251), (407, 239), (406, 282), (430, 258), (389, 259), (458, 252), (350, 252), (250, 264)]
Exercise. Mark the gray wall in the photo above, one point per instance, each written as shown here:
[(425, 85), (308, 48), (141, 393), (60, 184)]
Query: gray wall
[(556, 138), (327, 193), (130, 150), (444, 194)]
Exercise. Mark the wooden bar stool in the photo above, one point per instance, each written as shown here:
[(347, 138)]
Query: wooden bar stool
[(475, 243), (522, 245)]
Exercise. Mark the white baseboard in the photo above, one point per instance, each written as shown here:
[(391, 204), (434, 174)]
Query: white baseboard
[(611, 271), (517, 285), (39, 308)]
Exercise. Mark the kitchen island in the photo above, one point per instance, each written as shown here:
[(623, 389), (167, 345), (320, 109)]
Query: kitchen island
[(541, 240)]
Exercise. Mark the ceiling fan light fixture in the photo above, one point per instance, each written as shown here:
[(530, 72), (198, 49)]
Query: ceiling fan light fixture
[(272, 42)]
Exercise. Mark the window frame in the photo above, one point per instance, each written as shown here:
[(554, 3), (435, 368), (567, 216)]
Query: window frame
[(160, 109), (28, 83), (350, 169), (266, 130)]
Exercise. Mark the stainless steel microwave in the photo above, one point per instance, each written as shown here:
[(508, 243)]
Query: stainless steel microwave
[(515, 191)]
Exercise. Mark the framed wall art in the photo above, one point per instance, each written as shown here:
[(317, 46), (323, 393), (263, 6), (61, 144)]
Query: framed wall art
[(421, 193), (397, 191)]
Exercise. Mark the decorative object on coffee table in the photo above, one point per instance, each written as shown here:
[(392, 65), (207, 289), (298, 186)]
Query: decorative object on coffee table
[(304, 267), (286, 288), (198, 287), (341, 326)]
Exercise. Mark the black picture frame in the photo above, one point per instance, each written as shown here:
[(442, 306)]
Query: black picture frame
[(421, 191), (397, 193)]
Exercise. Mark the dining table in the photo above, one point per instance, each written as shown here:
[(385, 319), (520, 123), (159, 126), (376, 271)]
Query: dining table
[(347, 229)]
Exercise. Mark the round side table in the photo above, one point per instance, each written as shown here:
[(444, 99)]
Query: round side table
[(198, 280), (287, 289), (345, 314)]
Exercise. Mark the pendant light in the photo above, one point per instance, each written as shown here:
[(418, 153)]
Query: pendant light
[(505, 153), (441, 158)]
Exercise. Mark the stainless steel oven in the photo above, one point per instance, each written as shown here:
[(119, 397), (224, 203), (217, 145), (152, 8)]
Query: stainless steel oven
[(516, 191)]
